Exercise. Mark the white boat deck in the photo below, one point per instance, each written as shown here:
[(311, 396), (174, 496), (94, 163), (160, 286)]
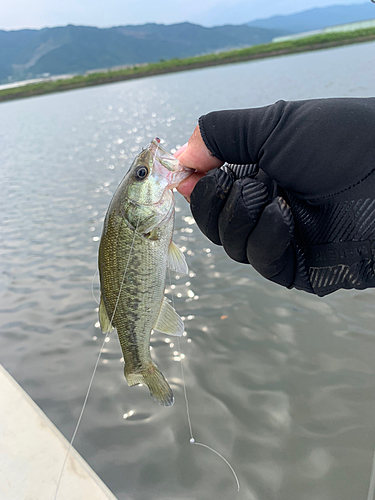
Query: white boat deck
[(32, 451)]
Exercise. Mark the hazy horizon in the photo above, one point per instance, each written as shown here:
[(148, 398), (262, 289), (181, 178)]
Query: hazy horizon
[(128, 12)]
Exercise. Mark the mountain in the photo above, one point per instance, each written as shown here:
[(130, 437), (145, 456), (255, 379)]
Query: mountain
[(76, 49), (318, 18)]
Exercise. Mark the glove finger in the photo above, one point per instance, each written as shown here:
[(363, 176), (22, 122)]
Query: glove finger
[(245, 203), (208, 199), (241, 171), (253, 171), (270, 248), (273, 188)]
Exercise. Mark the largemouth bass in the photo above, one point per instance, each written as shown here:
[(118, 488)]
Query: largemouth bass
[(135, 251)]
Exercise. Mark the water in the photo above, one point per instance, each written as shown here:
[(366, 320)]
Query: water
[(280, 382)]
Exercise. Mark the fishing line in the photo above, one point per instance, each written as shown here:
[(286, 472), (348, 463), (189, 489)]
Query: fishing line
[(192, 439), (79, 418), (95, 368)]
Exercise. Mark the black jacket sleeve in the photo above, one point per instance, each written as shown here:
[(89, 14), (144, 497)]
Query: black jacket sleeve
[(299, 143)]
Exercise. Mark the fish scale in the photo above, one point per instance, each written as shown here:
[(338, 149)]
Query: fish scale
[(143, 286)]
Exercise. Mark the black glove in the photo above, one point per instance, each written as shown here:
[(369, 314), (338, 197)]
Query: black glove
[(298, 201)]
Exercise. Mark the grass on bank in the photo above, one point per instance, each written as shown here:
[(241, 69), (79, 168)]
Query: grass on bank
[(256, 51)]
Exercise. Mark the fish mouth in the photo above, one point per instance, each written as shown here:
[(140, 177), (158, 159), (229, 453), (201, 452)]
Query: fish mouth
[(167, 165)]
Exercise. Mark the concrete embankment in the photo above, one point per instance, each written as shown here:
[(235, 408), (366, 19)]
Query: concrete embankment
[(32, 452)]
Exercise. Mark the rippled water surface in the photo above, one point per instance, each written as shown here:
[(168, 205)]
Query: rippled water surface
[(280, 382)]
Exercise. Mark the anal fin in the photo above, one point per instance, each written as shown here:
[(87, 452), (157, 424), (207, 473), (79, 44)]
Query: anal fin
[(169, 322)]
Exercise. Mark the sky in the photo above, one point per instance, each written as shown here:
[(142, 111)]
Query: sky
[(17, 14)]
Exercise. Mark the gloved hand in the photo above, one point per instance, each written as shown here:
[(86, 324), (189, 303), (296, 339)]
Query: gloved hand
[(298, 201)]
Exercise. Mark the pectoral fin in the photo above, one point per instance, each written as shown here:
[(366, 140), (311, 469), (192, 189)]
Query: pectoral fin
[(169, 322), (105, 323), (176, 259)]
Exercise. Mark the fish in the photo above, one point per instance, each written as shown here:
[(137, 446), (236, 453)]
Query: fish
[(135, 252)]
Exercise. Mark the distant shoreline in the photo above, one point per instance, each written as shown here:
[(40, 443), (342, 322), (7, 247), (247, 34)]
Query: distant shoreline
[(273, 49)]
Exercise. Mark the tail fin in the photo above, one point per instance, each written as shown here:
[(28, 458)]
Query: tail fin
[(155, 381)]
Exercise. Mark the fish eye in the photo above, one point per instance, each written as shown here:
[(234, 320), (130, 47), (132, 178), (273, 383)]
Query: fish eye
[(141, 173)]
